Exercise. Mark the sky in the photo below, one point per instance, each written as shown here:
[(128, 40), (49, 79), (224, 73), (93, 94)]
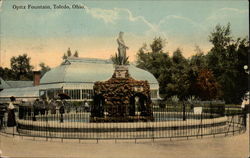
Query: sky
[(46, 34)]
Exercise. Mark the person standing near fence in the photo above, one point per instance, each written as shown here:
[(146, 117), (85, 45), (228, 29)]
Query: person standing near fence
[(11, 122), (244, 110), (86, 106), (2, 111), (61, 110), (45, 106), (42, 106), (35, 109)]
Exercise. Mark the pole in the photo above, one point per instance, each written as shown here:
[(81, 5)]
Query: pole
[(248, 108), (246, 68), (247, 113), (184, 111)]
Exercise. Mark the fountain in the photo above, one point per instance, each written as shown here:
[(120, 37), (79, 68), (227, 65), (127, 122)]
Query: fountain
[(115, 99)]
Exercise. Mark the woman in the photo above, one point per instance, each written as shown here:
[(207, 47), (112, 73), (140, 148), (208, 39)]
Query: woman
[(11, 122)]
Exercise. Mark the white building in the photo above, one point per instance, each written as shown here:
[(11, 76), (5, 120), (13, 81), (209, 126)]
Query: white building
[(76, 77)]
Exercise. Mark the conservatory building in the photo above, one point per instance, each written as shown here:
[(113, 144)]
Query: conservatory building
[(76, 77)]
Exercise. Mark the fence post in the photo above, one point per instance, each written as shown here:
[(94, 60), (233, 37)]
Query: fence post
[(46, 126), (184, 111), (201, 125), (233, 123), (245, 119)]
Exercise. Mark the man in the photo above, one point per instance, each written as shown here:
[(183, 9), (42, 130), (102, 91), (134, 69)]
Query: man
[(61, 110), (35, 109)]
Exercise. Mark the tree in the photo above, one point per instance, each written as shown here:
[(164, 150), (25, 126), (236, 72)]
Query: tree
[(196, 63), (21, 67), (69, 52), (179, 84), (76, 54), (44, 68), (7, 74), (64, 57), (206, 86), (156, 61), (221, 37), (226, 60), (158, 45)]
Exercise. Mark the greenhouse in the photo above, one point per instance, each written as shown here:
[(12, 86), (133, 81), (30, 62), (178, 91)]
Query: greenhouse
[(76, 77)]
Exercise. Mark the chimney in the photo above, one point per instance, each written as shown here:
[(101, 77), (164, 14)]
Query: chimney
[(36, 78)]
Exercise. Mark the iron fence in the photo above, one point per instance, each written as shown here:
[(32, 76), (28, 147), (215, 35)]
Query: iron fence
[(169, 122)]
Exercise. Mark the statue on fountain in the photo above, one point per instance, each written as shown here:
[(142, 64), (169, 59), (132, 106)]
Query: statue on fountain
[(114, 99), (121, 58), (122, 49)]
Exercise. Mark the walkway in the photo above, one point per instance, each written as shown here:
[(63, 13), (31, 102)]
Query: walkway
[(207, 147), (220, 147)]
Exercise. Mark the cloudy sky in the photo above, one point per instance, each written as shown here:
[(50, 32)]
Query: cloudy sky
[(45, 34)]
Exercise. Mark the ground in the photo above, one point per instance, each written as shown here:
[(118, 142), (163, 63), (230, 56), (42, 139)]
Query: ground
[(207, 147)]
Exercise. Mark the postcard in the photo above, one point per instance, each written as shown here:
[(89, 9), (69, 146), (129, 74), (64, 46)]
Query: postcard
[(112, 78)]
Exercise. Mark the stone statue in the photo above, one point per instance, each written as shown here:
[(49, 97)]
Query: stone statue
[(121, 48)]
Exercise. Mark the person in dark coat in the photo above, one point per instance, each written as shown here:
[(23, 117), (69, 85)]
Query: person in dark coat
[(42, 106), (35, 109), (61, 110), (11, 122), (2, 111)]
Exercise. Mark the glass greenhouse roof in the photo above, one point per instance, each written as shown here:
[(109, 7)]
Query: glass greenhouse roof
[(87, 70)]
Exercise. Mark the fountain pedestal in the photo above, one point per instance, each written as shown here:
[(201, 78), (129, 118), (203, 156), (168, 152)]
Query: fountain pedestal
[(115, 99)]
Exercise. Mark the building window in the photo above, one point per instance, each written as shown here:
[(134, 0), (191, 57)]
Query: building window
[(79, 94), (51, 93), (87, 93), (73, 93), (153, 93)]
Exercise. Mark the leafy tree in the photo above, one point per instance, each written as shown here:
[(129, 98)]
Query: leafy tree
[(158, 45), (44, 68), (156, 61), (64, 57), (21, 67), (7, 74), (69, 52), (179, 84), (196, 63), (76, 54), (226, 60), (143, 57), (221, 37), (218, 74), (206, 86)]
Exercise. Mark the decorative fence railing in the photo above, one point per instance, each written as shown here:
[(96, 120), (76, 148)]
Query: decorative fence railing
[(167, 123)]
